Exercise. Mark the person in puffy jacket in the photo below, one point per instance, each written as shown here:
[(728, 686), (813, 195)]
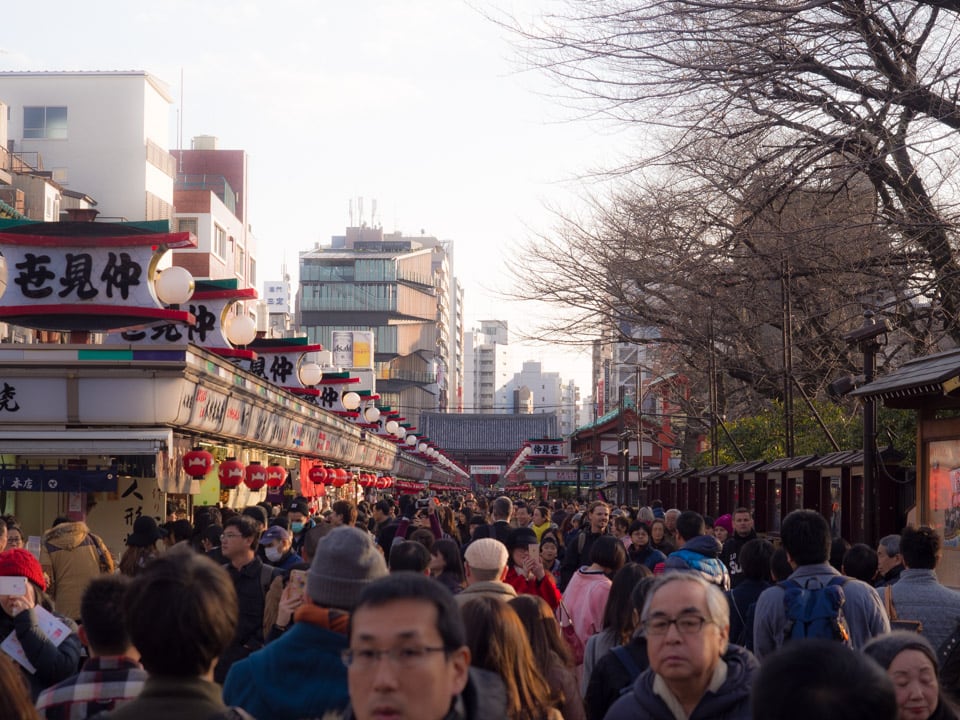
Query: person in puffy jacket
[(699, 553), (694, 672)]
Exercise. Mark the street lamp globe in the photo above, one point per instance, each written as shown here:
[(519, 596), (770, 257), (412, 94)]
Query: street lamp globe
[(174, 285)]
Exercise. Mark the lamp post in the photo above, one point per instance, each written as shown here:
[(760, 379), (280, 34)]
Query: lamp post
[(867, 338)]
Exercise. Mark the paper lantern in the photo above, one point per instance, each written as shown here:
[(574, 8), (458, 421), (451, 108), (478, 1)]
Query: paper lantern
[(230, 473), (255, 476), (317, 474), (276, 476), (339, 478), (197, 463)]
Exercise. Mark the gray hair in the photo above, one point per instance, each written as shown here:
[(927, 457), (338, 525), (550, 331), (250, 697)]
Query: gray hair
[(646, 515), (718, 608), (673, 512), (890, 544)]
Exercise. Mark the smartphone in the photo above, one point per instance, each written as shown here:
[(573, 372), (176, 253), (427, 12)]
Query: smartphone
[(534, 551), (13, 585), (298, 579)]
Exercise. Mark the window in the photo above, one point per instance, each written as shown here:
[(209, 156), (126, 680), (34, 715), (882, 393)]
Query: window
[(219, 241), (45, 122), (187, 224), (252, 279), (238, 261)]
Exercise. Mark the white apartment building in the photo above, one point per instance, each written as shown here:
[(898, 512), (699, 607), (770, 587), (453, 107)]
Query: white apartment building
[(103, 134), (487, 368)]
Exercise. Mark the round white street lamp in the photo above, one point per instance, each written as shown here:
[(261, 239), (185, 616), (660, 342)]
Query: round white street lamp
[(310, 374), (350, 400), (174, 285)]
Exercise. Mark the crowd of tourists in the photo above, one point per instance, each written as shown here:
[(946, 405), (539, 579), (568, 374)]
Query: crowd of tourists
[(475, 608)]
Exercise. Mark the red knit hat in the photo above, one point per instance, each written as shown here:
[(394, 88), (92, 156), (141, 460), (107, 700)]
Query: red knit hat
[(18, 561)]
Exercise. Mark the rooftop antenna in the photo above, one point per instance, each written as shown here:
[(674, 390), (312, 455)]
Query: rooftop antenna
[(350, 202), (360, 209), (373, 212)]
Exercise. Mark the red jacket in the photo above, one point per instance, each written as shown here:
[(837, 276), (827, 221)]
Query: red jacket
[(546, 588)]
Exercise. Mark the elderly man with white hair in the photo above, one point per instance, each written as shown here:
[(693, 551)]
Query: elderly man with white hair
[(693, 672)]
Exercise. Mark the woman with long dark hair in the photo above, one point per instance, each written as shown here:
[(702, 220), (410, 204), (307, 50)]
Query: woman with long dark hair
[(446, 566), (550, 652), (498, 643)]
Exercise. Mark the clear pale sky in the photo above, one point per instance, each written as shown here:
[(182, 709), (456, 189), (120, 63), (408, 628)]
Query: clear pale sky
[(422, 105)]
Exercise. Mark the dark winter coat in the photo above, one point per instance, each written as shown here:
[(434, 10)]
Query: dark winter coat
[(730, 702), (730, 556)]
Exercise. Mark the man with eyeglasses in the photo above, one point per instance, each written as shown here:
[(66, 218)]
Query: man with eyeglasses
[(694, 672), (251, 578), (408, 658)]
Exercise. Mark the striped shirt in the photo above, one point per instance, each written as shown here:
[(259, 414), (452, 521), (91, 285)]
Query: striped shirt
[(102, 684)]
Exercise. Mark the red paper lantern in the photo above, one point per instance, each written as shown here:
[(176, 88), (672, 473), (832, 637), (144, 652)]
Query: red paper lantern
[(380, 483), (317, 474), (197, 463), (230, 473), (276, 476), (364, 480), (255, 476), (387, 481), (340, 477)]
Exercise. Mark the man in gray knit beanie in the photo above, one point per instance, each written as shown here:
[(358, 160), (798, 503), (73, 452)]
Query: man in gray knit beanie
[(300, 674)]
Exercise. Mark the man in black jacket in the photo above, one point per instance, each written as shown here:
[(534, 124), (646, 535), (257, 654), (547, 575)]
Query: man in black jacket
[(743, 533), (577, 552), (501, 511)]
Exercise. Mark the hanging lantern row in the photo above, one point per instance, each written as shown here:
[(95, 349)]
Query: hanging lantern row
[(198, 462)]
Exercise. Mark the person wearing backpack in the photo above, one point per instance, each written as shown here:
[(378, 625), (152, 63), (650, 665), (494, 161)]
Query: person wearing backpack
[(815, 601)]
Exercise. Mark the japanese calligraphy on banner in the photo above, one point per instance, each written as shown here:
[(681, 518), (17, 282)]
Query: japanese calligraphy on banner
[(62, 281), (210, 306), (546, 449), (278, 361), (58, 480)]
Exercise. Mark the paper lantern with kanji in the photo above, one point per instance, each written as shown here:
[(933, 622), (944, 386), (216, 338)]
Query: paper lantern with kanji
[(255, 476), (230, 473), (317, 475), (197, 463), (276, 476), (340, 477)]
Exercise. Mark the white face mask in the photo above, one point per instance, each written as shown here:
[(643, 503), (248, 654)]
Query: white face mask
[(273, 554)]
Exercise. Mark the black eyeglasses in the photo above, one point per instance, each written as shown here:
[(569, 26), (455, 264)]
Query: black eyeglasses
[(407, 656), (686, 625)]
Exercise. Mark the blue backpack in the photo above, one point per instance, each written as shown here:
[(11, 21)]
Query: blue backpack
[(815, 610)]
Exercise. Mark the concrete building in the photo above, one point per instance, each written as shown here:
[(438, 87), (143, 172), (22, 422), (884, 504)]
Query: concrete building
[(103, 134), (397, 287), (210, 199), (487, 368)]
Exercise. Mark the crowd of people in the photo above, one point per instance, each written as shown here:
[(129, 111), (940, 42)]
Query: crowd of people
[(469, 608)]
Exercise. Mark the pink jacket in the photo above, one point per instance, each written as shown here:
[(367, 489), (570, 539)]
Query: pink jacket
[(586, 598)]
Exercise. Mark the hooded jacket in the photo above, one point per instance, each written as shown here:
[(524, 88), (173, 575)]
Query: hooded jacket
[(700, 554), (72, 556), (731, 701)]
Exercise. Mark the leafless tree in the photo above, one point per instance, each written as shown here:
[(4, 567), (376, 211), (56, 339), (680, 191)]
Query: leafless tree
[(802, 153)]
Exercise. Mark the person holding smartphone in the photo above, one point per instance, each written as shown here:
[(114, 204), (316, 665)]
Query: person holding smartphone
[(525, 571), (23, 601)]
